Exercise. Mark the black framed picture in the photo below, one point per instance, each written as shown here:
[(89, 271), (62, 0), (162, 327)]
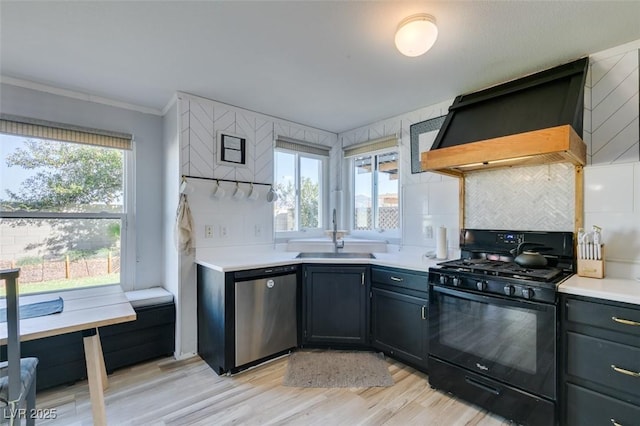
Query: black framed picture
[(232, 149), (422, 136)]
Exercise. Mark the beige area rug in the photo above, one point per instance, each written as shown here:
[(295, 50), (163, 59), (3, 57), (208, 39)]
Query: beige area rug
[(337, 369)]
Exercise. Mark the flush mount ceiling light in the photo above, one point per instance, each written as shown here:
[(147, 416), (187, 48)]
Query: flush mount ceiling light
[(416, 34)]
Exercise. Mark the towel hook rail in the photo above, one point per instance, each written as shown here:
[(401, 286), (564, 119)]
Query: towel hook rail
[(184, 177)]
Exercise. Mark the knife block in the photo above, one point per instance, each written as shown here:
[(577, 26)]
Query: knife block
[(592, 268)]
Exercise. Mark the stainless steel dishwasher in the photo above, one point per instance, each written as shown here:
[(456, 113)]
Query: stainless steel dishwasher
[(265, 312)]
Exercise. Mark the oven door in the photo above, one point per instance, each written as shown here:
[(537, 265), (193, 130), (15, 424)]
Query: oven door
[(513, 341)]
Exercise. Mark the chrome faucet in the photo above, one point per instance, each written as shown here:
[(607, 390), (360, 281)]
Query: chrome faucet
[(336, 244)]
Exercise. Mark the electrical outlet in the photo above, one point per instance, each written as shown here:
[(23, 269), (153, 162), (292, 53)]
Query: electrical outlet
[(208, 231), (223, 231)]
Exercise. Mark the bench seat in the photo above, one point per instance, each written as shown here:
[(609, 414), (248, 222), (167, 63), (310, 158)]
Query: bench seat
[(151, 335)]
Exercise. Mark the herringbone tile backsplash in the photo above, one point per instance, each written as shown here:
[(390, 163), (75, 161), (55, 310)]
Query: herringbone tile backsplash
[(538, 198)]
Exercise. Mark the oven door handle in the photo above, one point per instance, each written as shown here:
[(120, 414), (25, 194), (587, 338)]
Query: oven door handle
[(482, 386)]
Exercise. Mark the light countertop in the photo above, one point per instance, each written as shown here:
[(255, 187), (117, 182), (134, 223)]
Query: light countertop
[(616, 289), (242, 259)]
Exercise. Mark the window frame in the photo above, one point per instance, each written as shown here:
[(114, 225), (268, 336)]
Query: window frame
[(391, 235), (323, 199), (126, 217)]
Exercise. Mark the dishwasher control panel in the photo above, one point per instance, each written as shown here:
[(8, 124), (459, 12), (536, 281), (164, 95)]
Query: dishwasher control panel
[(265, 272)]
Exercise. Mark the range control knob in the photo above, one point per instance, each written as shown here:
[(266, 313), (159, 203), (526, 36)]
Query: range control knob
[(455, 281), (481, 285), (443, 279), (527, 293), (509, 290)]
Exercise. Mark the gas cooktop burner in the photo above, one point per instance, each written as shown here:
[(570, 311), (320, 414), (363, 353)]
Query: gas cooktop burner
[(501, 268)]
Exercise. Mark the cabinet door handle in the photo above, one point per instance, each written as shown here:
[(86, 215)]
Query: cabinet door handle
[(614, 423), (625, 321), (625, 371), (396, 279), (362, 278), (424, 312)]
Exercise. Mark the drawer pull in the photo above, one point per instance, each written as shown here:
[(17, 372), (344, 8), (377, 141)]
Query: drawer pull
[(624, 371), (482, 386), (424, 312), (614, 423), (396, 279), (625, 321)]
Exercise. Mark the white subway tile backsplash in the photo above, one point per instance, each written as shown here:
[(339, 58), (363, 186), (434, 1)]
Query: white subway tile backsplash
[(444, 197), (415, 230), (612, 194), (609, 188), (620, 232), (428, 206), (416, 199)]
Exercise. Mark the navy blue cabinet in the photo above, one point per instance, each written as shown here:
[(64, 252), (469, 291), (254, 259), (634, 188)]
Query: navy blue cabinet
[(399, 315), (336, 308), (601, 362)]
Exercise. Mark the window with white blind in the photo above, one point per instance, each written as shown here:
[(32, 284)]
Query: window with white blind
[(374, 172), (65, 204), (300, 182)]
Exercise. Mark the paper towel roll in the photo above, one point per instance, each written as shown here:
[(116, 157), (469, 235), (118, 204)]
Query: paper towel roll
[(441, 243)]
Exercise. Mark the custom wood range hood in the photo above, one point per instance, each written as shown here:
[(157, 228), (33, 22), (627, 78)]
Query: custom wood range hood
[(533, 120), (552, 145)]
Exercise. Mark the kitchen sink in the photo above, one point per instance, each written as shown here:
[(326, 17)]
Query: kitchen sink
[(333, 255)]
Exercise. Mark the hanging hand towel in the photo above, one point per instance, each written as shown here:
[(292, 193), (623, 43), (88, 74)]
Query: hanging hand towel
[(184, 226)]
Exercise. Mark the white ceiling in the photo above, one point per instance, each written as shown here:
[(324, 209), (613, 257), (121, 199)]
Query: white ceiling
[(330, 65)]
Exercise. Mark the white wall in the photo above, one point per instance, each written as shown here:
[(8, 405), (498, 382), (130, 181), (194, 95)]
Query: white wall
[(236, 224), (428, 200), (170, 184), (612, 201), (147, 131), (612, 134), (611, 119)]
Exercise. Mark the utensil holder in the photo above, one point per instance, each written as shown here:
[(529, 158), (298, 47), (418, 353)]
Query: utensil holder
[(592, 268)]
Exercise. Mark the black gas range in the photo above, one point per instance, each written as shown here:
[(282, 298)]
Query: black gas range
[(493, 322), (488, 265)]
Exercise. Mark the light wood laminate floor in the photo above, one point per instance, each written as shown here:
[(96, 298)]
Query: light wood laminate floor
[(188, 392)]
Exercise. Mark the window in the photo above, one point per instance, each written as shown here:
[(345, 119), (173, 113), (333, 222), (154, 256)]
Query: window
[(300, 174), (373, 167), (63, 204)]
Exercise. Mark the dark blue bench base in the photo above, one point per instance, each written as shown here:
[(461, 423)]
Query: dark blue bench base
[(150, 336)]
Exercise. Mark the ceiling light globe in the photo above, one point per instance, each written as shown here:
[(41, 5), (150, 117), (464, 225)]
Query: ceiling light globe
[(416, 34)]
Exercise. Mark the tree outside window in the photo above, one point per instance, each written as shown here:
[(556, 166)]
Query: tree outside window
[(298, 182), (62, 211)]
